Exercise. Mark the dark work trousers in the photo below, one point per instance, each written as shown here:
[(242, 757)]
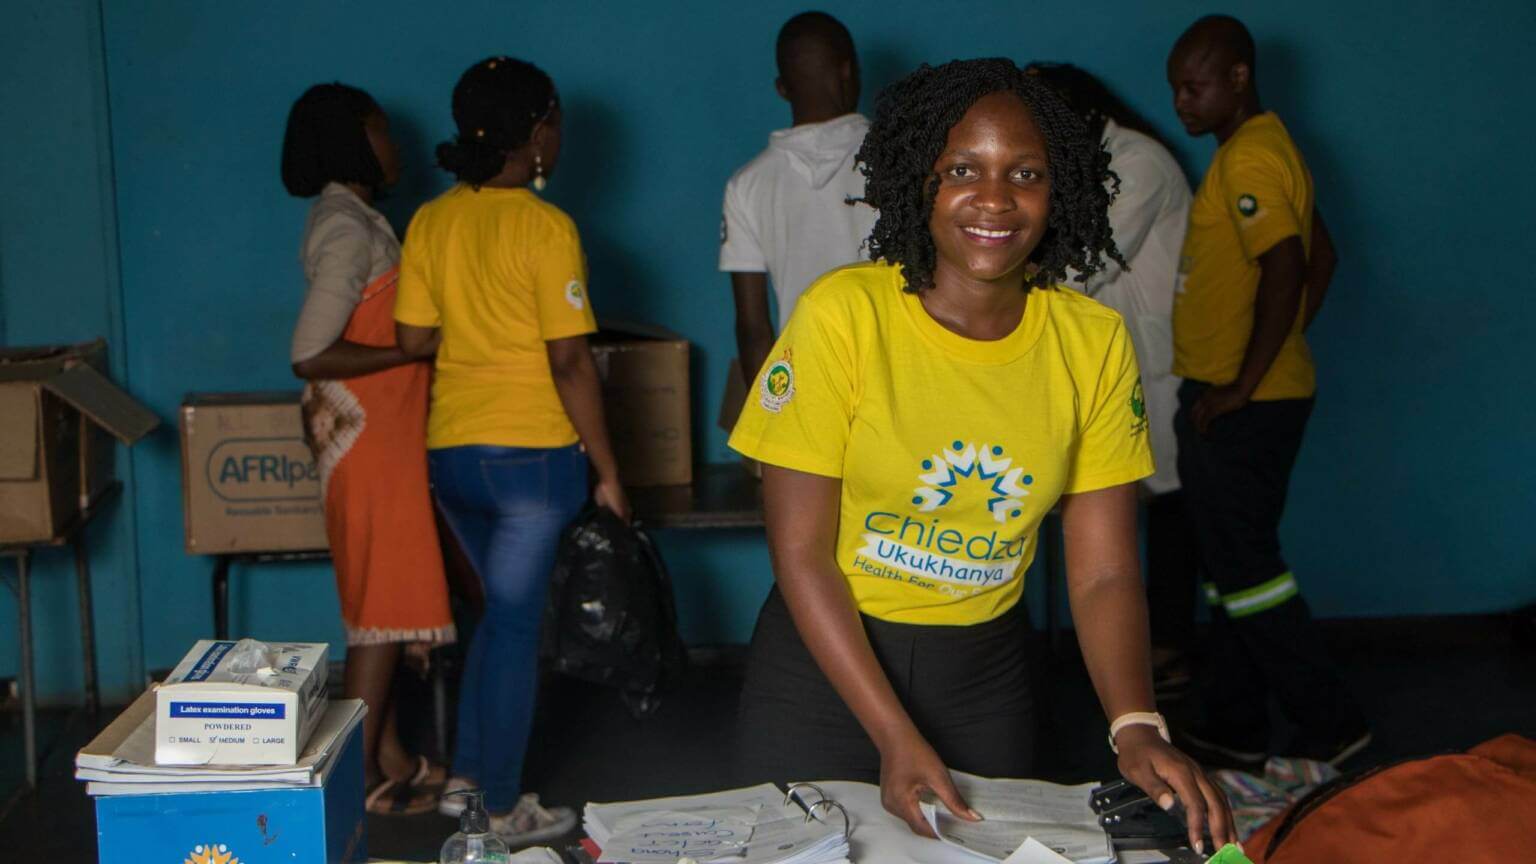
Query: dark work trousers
[(967, 688), (1262, 638), (1173, 565)]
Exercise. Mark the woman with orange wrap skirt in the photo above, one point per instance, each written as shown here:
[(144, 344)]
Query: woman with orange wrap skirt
[(365, 415)]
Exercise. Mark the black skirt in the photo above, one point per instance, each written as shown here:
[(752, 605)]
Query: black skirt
[(967, 688)]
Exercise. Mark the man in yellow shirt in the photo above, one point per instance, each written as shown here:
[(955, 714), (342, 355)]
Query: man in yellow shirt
[(1256, 263)]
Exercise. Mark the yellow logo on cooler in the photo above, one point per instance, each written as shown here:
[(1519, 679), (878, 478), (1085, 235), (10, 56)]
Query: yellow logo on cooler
[(211, 853)]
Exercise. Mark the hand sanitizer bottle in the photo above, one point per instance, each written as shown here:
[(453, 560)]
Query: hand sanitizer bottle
[(474, 842)]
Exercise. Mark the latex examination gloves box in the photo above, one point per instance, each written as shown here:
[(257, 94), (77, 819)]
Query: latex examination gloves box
[(249, 482), (241, 703), (58, 415)]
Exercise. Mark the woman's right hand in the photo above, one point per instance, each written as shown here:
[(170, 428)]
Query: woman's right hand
[(610, 494), (907, 770)]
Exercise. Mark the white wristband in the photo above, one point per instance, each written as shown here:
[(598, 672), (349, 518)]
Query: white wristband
[(1137, 718)]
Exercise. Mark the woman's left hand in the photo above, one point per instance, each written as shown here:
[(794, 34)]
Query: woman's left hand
[(1162, 771)]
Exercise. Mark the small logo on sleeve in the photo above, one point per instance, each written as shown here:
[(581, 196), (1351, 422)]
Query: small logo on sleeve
[(723, 234), (778, 384), (1247, 205), (574, 295), (1138, 409)]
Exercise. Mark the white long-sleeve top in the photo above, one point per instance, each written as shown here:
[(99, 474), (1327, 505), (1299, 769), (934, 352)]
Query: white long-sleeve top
[(347, 245), (1148, 220)]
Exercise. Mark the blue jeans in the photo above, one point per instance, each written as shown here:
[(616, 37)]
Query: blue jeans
[(507, 506)]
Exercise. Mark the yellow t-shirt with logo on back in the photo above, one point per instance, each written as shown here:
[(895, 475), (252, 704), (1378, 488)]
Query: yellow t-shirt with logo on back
[(950, 450), (501, 272), (1256, 193)]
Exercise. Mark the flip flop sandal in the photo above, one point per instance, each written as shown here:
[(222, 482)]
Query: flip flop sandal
[(396, 798), (423, 777)]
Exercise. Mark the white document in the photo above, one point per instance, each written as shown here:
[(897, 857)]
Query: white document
[(532, 855), (796, 841), (1032, 851), (1057, 817), (666, 836), (536, 855), (599, 819), (738, 826)]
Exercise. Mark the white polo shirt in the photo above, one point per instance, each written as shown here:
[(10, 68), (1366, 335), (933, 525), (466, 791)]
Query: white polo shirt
[(786, 212)]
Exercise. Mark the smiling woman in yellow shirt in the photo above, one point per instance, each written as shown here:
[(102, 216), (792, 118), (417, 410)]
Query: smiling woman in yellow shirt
[(916, 420)]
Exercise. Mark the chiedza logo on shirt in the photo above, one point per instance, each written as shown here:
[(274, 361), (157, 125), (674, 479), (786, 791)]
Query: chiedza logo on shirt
[(923, 551)]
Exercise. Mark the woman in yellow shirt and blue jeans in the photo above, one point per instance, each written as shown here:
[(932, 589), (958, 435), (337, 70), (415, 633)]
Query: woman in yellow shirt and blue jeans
[(497, 274), (916, 421)]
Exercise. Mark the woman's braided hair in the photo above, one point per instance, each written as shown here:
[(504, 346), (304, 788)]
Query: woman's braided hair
[(496, 105), (911, 126)]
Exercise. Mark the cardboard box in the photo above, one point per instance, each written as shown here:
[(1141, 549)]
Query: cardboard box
[(58, 414), (249, 482), (645, 397), (281, 823), (211, 712)]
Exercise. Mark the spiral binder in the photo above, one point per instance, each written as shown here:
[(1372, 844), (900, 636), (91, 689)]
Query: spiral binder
[(823, 803)]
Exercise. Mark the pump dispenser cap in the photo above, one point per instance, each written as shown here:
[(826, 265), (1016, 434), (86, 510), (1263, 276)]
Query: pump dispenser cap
[(474, 819)]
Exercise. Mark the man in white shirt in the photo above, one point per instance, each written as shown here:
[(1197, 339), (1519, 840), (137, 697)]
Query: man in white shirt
[(787, 217), (1147, 219)]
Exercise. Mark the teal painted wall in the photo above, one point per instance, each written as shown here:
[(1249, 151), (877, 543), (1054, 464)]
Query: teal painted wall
[(59, 283), (1417, 477)]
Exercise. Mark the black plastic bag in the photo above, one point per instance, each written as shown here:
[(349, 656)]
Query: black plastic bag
[(611, 617)]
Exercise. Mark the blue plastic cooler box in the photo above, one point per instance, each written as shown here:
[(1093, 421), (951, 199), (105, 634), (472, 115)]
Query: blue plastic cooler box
[(298, 825)]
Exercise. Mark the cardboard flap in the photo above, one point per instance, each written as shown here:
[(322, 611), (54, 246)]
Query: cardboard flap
[(38, 362), (18, 433), (95, 396)]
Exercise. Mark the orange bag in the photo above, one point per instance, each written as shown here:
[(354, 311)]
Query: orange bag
[(1477, 807)]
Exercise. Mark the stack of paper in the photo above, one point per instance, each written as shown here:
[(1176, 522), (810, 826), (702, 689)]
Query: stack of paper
[(741, 826), (121, 761), (1056, 818)]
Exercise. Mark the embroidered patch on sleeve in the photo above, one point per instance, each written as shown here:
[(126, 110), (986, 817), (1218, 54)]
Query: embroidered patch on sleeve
[(778, 384)]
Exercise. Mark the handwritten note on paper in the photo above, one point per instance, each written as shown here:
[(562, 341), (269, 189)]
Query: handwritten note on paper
[(666, 836)]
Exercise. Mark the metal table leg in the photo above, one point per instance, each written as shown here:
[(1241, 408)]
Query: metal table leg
[(221, 596), (28, 682), (87, 626)]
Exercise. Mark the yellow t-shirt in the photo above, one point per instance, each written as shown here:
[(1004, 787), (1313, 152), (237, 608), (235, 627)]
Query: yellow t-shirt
[(950, 450), (1257, 192), (501, 272)]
